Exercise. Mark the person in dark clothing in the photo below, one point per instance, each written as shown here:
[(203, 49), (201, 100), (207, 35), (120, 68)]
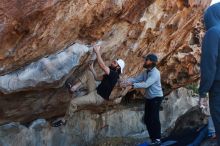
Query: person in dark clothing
[(210, 65), (150, 80), (96, 96)]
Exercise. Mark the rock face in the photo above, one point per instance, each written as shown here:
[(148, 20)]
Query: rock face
[(38, 51), (88, 127), (175, 105), (44, 72)]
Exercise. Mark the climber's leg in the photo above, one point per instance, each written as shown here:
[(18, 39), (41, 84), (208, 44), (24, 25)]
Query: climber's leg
[(87, 79)]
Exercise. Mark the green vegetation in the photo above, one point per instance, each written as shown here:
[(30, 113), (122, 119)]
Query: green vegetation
[(194, 87)]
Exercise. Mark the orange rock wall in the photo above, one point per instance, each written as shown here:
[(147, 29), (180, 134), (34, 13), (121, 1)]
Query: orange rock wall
[(130, 29)]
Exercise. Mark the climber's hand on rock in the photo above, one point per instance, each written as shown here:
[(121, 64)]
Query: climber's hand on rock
[(96, 49), (203, 102)]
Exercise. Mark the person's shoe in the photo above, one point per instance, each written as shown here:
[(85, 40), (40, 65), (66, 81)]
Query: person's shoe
[(156, 142), (58, 123), (69, 85)]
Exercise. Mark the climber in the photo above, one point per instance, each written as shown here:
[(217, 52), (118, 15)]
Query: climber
[(210, 65), (150, 81), (96, 96)]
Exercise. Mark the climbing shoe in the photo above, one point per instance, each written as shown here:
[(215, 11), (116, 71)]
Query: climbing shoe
[(58, 123)]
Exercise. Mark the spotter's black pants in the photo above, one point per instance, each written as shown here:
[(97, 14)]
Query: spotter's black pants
[(152, 118)]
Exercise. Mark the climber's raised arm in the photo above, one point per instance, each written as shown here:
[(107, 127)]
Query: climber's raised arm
[(101, 63)]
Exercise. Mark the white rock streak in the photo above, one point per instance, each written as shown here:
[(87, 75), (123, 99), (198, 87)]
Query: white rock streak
[(44, 71)]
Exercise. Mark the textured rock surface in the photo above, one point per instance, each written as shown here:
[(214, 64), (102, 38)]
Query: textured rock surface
[(33, 31), (45, 71), (88, 127), (176, 104)]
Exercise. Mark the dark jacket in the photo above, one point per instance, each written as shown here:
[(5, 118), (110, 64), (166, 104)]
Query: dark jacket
[(210, 59)]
